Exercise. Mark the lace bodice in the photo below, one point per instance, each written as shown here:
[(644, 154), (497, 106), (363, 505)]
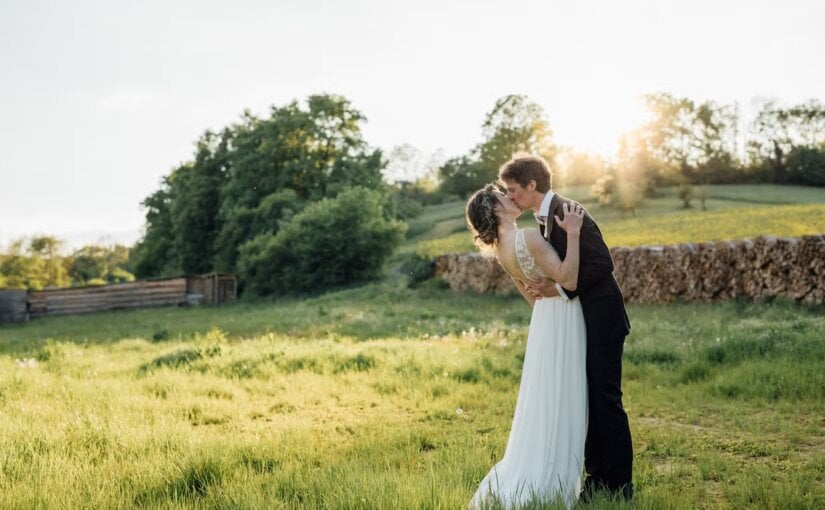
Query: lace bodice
[(526, 262)]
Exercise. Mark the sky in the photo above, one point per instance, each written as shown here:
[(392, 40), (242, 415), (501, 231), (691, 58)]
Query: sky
[(100, 99)]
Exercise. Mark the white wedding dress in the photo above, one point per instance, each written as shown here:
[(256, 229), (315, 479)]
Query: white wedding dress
[(544, 457)]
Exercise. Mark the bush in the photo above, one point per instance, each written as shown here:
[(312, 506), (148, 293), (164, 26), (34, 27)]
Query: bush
[(806, 165), (417, 269), (336, 241)]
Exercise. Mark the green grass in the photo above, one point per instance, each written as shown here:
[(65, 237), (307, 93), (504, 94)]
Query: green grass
[(385, 397), (733, 212)]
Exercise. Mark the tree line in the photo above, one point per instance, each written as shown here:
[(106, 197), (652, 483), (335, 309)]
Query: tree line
[(297, 200), (37, 263), (685, 144)]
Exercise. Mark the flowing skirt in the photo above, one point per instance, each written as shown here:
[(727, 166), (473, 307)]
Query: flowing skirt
[(544, 458)]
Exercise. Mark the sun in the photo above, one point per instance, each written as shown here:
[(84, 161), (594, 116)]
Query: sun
[(597, 127)]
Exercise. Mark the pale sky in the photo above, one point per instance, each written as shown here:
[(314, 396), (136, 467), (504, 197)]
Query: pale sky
[(100, 99)]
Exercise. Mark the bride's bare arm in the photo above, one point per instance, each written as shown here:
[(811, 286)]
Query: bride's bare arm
[(565, 272), (523, 290)]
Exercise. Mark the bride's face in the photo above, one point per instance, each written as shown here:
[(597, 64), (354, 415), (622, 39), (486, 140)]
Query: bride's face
[(506, 207)]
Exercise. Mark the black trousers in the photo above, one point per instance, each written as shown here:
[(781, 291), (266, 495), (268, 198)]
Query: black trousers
[(608, 450)]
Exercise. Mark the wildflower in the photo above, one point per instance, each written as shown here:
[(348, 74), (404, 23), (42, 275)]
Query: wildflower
[(27, 363)]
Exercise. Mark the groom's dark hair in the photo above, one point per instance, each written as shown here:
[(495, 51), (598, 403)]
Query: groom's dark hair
[(524, 168)]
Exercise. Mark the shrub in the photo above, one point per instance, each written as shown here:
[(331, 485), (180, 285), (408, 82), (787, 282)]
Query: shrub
[(417, 269), (333, 242)]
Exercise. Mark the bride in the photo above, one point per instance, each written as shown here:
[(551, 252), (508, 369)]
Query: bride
[(544, 457)]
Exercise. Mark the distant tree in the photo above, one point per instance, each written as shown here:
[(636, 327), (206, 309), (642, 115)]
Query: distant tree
[(407, 164), (515, 124), (47, 249), (577, 168), (461, 176), (695, 140), (22, 269), (806, 165), (106, 264), (777, 131)]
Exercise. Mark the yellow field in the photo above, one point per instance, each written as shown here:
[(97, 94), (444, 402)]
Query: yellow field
[(683, 227)]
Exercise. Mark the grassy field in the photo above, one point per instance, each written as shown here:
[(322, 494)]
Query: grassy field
[(386, 397), (733, 212)]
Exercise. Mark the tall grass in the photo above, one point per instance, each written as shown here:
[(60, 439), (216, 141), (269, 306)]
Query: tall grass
[(384, 397)]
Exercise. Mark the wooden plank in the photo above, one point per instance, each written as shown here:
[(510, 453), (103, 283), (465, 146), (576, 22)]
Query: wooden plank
[(104, 297)]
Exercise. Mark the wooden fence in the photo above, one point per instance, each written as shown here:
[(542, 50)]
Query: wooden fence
[(213, 289)]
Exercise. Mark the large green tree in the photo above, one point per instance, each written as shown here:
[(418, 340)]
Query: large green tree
[(278, 164), (195, 217), (250, 179)]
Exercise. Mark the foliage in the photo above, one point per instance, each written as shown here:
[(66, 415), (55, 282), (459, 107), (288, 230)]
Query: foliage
[(34, 265), (806, 165), (333, 242), (417, 268), (691, 143), (515, 124), (37, 264), (249, 180), (104, 263), (155, 254), (195, 214), (777, 131), (577, 168)]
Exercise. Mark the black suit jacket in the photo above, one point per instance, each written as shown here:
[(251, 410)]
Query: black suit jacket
[(597, 289)]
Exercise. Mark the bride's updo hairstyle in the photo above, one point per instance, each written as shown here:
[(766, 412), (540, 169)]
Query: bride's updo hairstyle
[(481, 216)]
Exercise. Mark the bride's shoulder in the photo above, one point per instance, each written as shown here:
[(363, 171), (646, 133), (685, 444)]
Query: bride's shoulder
[(531, 233), (532, 237)]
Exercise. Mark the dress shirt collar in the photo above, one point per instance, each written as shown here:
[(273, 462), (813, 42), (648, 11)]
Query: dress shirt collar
[(544, 209)]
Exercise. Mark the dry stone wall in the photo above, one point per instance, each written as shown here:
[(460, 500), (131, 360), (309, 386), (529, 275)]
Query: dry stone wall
[(758, 269)]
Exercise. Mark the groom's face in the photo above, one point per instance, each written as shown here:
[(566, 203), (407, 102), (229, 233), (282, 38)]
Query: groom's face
[(518, 194)]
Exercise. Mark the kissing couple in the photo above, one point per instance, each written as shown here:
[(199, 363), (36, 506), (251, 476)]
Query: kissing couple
[(569, 416)]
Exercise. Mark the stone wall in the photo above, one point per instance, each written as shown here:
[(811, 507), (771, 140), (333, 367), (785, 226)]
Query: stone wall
[(758, 269)]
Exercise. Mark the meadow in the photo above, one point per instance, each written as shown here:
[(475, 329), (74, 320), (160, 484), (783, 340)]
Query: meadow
[(383, 396), (733, 212)]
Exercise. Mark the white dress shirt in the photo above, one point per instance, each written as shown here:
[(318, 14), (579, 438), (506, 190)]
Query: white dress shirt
[(544, 214)]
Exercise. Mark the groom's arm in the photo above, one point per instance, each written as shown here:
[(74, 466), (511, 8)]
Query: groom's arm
[(596, 263)]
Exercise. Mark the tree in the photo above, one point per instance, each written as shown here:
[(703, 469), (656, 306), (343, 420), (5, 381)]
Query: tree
[(461, 176), (515, 124), (47, 249), (155, 253), (314, 151), (333, 242), (777, 131), (101, 264), (577, 168), (696, 141), (23, 269), (806, 165), (195, 217)]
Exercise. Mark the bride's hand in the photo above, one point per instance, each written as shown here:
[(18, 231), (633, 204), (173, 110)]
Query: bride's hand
[(573, 218)]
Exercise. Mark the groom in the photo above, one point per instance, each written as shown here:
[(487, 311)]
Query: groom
[(608, 452)]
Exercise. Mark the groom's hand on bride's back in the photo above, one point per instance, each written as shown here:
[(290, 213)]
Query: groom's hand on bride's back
[(541, 288)]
